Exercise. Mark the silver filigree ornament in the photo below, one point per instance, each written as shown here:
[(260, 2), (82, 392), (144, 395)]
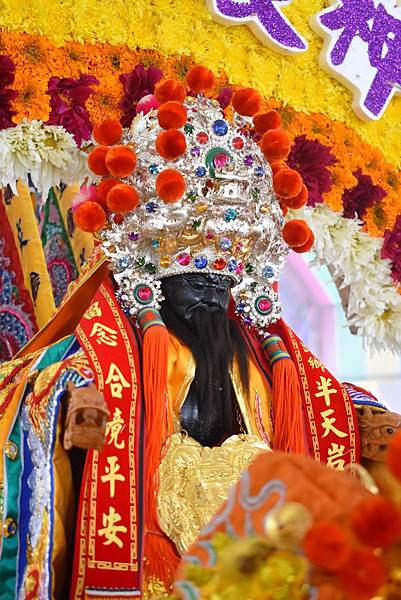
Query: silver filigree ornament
[(228, 221)]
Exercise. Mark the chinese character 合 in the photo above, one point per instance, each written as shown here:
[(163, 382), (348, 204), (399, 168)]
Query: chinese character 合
[(110, 529), (370, 22), (264, 18), (335, 460), (116, 380), (328, 424), (325, 389), (114, 428), (104, 334), (112, 474)]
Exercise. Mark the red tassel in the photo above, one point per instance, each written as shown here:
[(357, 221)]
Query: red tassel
[(161, 558), (287, 403)]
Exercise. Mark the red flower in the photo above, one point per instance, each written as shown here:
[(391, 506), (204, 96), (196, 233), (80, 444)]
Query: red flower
[(67, 102), (311, 159), (392, 249), (138, 83), (326, 545), (362, 196), (7, 95)]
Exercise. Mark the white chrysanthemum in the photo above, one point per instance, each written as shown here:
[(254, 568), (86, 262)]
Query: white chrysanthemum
[(47, 153)]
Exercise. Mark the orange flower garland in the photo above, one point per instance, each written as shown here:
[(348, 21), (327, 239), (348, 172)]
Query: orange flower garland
[(37, 59)]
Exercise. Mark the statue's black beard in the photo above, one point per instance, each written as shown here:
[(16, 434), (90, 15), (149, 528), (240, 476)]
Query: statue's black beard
[(214, 339)]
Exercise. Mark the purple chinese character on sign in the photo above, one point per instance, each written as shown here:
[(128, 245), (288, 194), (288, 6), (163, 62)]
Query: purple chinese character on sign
[(384, 54), (364, 49), (264, 18), (353, 19)]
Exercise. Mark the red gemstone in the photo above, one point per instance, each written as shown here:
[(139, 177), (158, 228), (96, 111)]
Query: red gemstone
[(265, 305), (144, 294), (184, 259), (238, 143), (118, 219), (219, 264), (202, 137)]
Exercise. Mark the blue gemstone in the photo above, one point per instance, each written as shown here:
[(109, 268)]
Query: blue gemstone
[(240, 308), (155, 243), (220, 127), (259, 171), (230, 214), (267, 272), (200, 262), (123, 262), (225, 244), (232, 265), (200, 172), (153, 169), (150, 207)]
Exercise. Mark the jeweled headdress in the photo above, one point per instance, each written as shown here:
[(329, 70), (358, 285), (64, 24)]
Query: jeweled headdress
[(188, 189)]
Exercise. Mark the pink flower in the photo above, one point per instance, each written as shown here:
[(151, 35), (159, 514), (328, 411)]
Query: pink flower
[(146, 104), (362, 196), (85, 193), (138, 83), (392, 249), (311, 159)]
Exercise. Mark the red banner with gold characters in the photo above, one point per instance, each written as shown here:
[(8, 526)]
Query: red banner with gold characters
[(332, 427), (108, 548)]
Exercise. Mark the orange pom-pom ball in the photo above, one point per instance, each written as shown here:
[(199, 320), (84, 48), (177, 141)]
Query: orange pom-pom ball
[(299, 200), (363, 575), (276, 166), (89, 217), (97, 160), (377, 522), (108, 133), (170, 89), (275, 144), (327, 546), (122, 198), (394, 456), (263, 121), (170, 185), (171, 144), (246, 102), (103, 189), (200, 79), (172, 115), (307, 246), (121, 161), (296, 232), (287, 183)]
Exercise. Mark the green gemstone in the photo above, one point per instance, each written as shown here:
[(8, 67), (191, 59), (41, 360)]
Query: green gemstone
[(188, 128), (150, 268), (192, 196), (248, 268), (196, 224), (140, 262)]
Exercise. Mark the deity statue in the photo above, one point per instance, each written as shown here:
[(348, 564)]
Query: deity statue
[(167, 369)]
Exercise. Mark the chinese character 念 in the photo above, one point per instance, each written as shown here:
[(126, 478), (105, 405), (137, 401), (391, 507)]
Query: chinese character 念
[(110, 529), (104, 334), (114, 428), (112, 474), (328, 424)]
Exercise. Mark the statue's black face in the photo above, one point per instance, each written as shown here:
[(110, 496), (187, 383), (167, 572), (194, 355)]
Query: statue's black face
[(185, 294)]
